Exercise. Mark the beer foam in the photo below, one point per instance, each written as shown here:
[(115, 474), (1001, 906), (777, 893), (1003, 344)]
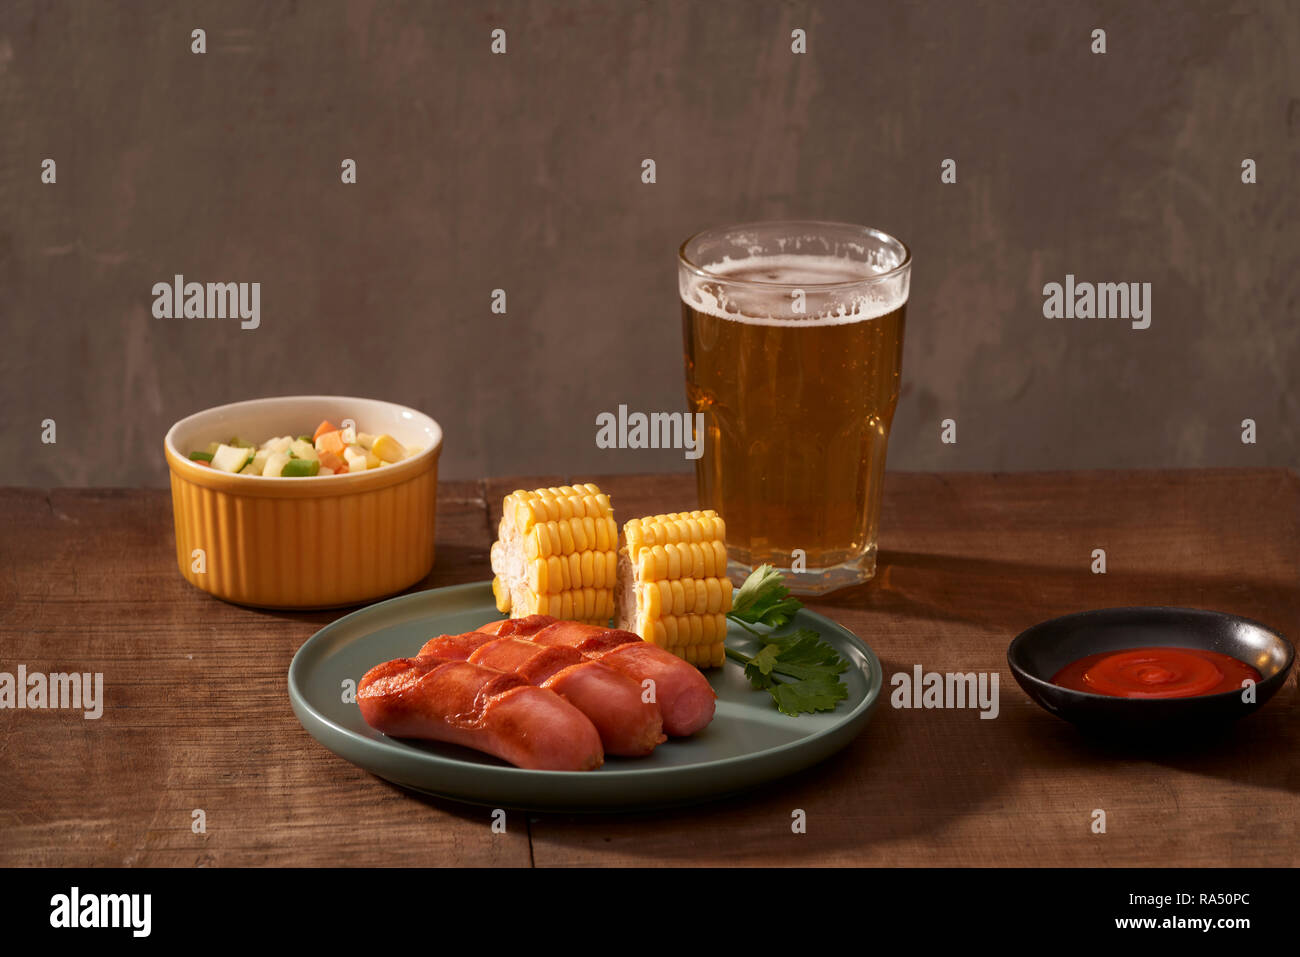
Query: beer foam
[(770, 306)]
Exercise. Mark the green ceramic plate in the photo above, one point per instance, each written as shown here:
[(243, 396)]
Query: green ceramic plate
[(747, 743)]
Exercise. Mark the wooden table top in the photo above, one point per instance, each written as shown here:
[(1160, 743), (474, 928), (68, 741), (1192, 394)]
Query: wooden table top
[(197, 715)]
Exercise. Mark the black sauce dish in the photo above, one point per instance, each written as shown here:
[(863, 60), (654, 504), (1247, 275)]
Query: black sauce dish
[(1039, 653)]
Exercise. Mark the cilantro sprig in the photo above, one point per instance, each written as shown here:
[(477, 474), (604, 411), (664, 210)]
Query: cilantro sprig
[(763, 599), (799, 670)]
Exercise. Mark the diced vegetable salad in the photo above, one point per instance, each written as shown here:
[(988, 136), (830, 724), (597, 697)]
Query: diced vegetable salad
[(331, 450)]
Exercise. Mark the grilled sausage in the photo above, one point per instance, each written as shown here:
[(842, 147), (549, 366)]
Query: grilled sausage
[(628, 725), (462, 703), (685, 697)]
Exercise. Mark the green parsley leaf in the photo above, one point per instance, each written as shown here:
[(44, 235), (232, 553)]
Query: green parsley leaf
[(799, 670), (764, 599), (763, 661), (817, 694), (802, 654)]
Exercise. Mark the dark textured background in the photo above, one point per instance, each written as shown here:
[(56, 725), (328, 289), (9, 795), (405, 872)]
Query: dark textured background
[(523, 171)]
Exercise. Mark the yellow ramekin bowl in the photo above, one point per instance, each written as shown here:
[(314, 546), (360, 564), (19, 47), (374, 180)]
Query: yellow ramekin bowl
[(319, 542)]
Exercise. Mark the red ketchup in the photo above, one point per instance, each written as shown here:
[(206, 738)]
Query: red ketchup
[(1156, 673)]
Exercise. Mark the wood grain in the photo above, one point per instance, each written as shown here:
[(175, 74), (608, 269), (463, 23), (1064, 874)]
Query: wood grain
[(197, 715)]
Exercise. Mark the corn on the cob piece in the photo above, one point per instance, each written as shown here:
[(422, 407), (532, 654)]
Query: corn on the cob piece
[(673, 588), (556, 554)]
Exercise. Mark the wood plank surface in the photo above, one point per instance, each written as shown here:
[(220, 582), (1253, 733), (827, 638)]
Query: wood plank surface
[(197, 714)]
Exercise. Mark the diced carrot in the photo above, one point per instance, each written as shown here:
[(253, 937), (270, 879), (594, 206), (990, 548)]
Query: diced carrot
[(326, 426), (332, 460), (330, 441)]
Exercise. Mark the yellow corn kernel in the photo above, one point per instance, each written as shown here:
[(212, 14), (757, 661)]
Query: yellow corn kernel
[(565, 536), (564, 503), (673, 528), (677, 572), (556, 573), (688, 596), (578, 604), (676, 631), (388, 449), (501, 593), (556, 552), (683, 560), (703, 656)]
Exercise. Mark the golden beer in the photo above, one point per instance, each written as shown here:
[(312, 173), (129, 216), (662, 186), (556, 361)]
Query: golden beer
[(793, 343)]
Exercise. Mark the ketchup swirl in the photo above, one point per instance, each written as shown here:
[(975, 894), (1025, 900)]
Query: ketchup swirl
[(1156, 673)]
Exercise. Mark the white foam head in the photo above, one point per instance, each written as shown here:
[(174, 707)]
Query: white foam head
[(761, 289)]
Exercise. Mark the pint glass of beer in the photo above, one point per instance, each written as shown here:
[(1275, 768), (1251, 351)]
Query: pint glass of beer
[(793, 334)]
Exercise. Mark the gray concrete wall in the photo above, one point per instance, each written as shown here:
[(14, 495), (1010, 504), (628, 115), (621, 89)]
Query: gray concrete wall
[(522, 172)]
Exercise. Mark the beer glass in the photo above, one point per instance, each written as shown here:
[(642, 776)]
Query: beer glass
[(793, 335)]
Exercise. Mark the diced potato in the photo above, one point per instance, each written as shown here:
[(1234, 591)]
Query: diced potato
[(365, 440), (303, 450), (280, 445), (275, 463), (230, 458), (356, 460)]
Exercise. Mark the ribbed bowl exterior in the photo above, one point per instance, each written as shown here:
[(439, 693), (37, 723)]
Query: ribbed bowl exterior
[(275, 549)]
